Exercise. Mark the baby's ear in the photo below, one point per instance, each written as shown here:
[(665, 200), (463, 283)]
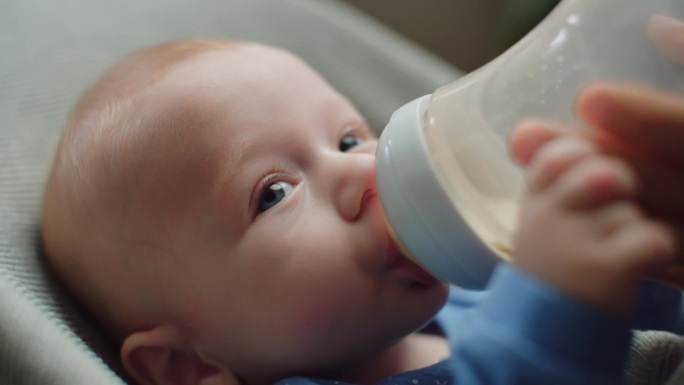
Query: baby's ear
[(160, 356)]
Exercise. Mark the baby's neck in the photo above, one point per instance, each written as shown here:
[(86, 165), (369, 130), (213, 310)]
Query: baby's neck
[(413, 352)]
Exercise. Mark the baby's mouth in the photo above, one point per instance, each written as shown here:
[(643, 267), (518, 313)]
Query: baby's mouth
[(406, 270), (398, 264), (413, 273)]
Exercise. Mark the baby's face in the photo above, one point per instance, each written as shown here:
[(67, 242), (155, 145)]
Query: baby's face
[(285, 262)]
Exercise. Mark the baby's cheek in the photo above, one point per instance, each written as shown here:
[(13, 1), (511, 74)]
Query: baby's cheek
[(314, 331), (317, 314)]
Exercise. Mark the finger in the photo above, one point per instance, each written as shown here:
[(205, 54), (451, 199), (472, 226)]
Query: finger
[(647, 247), (594, 181), (554, 158), (668, 36), (636, 119), (531, 134), (614, 216)]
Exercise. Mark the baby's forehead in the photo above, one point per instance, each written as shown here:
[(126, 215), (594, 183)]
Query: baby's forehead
[(214, 96), (222, 88), (242, 70), (195, 85)]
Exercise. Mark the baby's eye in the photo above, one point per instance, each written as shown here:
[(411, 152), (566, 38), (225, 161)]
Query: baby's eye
[(273, 194), (349, 141)]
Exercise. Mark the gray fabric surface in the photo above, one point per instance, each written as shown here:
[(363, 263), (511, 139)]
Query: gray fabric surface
[(677, 378), (51, 50), (654, 358)]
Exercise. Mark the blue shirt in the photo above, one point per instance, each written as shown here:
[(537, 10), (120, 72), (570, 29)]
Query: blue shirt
[(523, 331)]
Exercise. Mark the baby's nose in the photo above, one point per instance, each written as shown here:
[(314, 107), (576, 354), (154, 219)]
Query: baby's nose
[(355, 184)]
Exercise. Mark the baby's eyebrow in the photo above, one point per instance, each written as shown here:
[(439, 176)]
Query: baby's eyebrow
[(230, 160), (227, 190)]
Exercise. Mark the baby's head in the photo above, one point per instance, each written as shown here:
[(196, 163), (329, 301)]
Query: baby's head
[(213, 206)]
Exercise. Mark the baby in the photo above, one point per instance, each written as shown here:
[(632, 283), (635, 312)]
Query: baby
[(212, 204)]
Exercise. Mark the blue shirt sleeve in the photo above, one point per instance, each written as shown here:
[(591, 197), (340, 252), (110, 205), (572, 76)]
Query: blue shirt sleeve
[(524, 331)]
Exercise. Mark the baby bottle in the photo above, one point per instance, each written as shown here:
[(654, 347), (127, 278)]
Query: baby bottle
[(447, 184)]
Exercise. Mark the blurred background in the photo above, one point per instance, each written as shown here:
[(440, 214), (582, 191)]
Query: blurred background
[(467, 33)]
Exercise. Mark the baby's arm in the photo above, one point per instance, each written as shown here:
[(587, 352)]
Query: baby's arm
[(581, 231)]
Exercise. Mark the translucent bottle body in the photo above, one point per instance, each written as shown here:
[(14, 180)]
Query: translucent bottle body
[(462, 128)]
